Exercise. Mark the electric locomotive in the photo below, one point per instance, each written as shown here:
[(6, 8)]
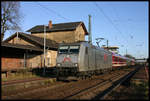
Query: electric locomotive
[(82, 59)]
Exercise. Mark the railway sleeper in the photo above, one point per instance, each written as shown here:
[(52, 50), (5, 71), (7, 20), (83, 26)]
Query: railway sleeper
[(65, 73)]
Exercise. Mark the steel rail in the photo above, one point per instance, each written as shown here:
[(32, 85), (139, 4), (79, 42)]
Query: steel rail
[(15, 82), (101, 83), (115, 85)]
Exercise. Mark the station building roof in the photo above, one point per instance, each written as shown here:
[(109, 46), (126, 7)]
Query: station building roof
[(69, 26), (38, 41), (19, 46)]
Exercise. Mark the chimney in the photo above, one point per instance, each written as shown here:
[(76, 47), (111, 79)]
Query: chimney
[(50, 24)]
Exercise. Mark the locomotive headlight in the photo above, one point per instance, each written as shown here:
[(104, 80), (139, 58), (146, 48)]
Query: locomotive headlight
[(76, 64), (58, 64)]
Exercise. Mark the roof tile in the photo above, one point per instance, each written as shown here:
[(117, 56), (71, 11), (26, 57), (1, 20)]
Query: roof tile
[(35, 39), (56, 27)]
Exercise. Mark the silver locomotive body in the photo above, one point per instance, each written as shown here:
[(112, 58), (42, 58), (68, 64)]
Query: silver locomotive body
[(82, 58)]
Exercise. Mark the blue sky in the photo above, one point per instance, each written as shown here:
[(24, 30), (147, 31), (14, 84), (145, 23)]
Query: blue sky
[(124, 24)]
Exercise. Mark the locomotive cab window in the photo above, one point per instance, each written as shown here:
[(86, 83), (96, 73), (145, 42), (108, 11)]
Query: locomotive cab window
[(74, 49), (63, 49)]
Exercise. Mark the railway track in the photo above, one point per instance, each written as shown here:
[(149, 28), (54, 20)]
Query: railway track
[(101, 89), (83, 89), (6, 83), (116, 84), (142, 74), (131, 90)]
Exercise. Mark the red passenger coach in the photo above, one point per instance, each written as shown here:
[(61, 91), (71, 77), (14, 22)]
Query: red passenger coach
[(132, 62), (118, 61)]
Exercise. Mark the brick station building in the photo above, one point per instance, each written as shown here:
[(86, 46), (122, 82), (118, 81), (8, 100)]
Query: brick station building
[(15, 56), (22, 50)]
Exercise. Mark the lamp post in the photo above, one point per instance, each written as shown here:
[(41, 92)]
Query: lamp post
[(44, 48)]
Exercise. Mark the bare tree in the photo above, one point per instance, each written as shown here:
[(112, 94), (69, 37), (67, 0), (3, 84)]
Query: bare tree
[(10, 17)]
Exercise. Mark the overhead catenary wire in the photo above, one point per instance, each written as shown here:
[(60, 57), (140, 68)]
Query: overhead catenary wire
[(48, 9), (116, 14), (107, 17), (128, 20)]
